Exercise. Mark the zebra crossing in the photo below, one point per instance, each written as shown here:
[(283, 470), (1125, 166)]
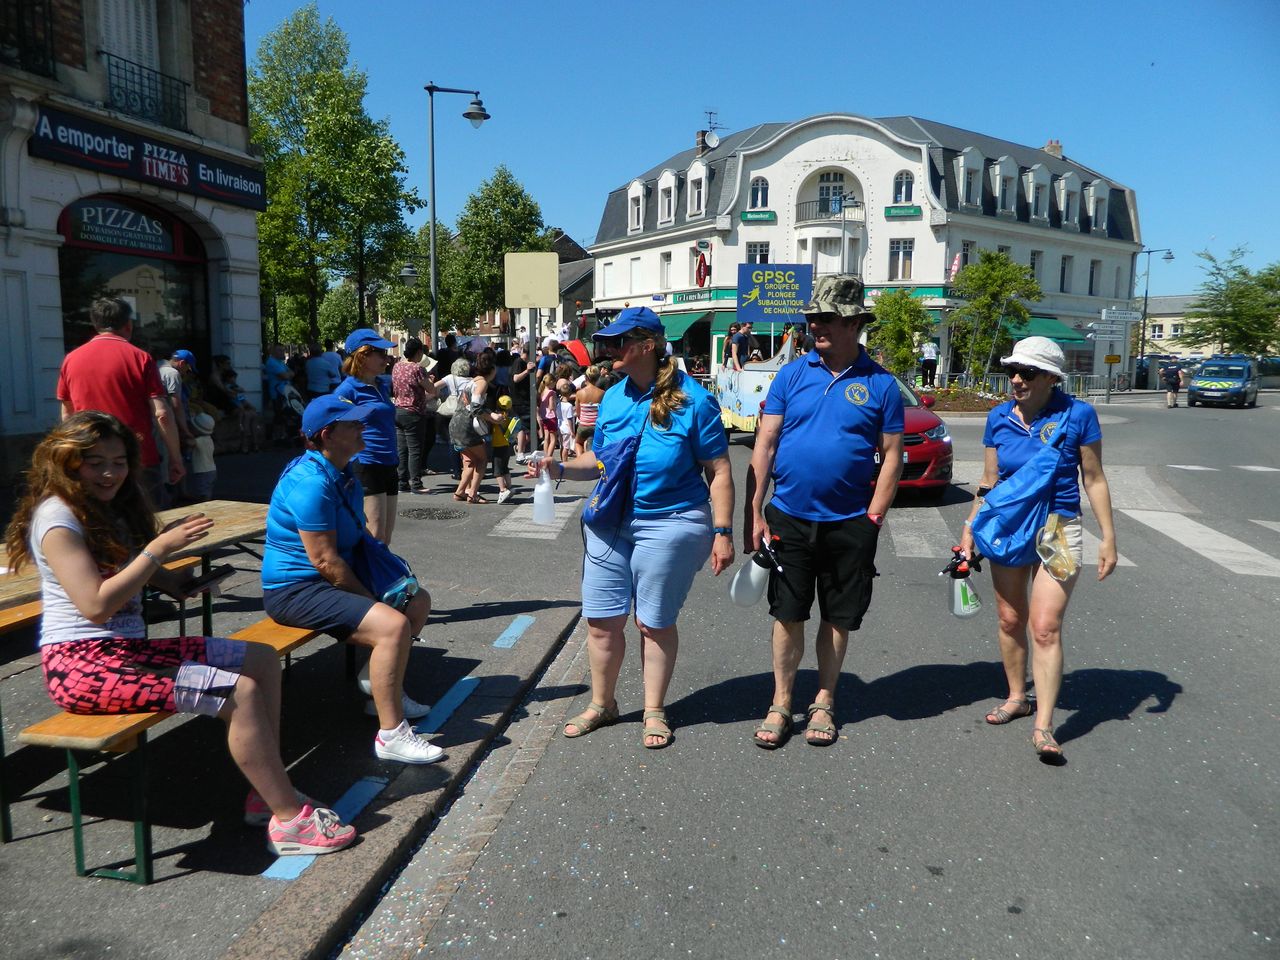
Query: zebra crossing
[(1135, 493)]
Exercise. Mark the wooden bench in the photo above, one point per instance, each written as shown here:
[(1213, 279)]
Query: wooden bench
[(127, 734), (28, 615)]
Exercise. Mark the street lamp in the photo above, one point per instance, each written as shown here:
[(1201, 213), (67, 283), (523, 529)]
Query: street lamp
[(477, 114), (1142, 341)]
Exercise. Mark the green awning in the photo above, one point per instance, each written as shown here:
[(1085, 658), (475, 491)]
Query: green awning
[(720, 322), (675, 324), (1052, 328)]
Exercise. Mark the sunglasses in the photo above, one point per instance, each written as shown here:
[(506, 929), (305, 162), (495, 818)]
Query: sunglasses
[(1026, 373), (619, 341)]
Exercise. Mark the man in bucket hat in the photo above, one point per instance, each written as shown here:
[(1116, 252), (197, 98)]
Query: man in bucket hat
[(837, 407)]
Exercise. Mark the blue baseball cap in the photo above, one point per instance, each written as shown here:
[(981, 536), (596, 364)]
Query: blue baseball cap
[(632, 318), (328, 409), (186, 356), (364, 337)]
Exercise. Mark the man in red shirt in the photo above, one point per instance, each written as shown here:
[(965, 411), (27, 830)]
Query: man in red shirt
[(110, 374)]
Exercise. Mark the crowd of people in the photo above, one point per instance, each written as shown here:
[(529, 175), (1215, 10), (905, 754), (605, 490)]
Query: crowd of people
[(86, 521)]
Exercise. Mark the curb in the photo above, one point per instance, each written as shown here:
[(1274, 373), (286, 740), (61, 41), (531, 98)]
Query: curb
[(292, 928)]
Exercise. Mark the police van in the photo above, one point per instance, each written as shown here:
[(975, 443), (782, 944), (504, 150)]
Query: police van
[(1230, 380)]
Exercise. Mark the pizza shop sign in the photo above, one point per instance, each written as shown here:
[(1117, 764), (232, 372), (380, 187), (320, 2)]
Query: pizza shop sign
[(81, 142)]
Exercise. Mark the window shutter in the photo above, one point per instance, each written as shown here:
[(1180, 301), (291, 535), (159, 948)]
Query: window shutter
[(129, 30)]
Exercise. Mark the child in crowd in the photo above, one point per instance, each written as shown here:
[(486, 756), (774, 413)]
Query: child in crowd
[(565, 420), (501, 436), (547, 414), (203, 469), (587, 408)]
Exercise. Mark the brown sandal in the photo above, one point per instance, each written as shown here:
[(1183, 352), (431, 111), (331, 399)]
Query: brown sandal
[(1005, 716), (781, 730), (829, 728), (604, 716), (477, 499), (1046, 747)]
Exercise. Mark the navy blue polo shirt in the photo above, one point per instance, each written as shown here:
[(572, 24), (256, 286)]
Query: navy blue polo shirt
[(1015, 443), (379, 429), (831, 427)]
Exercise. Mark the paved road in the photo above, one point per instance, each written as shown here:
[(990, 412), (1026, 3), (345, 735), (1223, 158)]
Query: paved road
[(923, 832)]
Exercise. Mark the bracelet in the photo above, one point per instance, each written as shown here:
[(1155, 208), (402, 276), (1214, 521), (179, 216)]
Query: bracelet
[(876, 518), (152, 557), (968, 523), (727, 531)]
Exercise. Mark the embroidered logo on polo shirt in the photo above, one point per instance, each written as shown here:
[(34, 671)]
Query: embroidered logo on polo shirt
[(857, 393), (1048, 431)]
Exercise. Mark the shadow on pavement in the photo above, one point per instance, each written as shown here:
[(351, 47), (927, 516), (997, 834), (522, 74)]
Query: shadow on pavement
[(1099, 695)]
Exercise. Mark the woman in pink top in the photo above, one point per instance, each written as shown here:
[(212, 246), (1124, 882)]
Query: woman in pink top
[(412, 393), (587, 402)]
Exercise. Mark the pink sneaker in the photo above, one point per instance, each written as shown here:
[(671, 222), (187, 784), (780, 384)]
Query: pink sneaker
[(314, 830), (258, 814)]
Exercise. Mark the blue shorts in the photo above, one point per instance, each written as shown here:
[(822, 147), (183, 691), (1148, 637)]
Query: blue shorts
[(651, 561), (317, 605)]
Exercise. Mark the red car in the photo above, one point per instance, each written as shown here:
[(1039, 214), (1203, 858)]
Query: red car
[(926, 444)]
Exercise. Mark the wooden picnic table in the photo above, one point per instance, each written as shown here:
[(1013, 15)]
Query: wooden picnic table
[(234, 521)]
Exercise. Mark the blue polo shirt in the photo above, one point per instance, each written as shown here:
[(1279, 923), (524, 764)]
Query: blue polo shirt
[(308, 497), (831, 426), (1015, 443), (379, 429), (668, 475)]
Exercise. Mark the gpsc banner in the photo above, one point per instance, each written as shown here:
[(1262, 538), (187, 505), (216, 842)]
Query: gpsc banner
[(773, 292)]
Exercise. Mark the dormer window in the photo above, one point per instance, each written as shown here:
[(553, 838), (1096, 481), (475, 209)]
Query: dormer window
[(1099, 214), (1037, 201), (666, 205), (1006, 193), (971, 186), (969, 167), (1069, 196), (697, 198), (1069, 205), (1036, 183), (759, 193), (903, 185), (635, 207)]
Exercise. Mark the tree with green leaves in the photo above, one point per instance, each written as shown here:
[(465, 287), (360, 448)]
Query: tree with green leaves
[(1238, 310), (901, 323), (499, 218), (409, 308), (994, 314), (335, 185)]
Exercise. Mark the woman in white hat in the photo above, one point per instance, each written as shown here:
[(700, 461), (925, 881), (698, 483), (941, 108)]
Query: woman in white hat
[(1036, 595)]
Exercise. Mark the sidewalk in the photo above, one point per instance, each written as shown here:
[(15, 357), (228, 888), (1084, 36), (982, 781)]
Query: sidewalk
[(505, 598)]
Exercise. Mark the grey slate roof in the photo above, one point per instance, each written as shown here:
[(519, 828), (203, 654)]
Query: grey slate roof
[(944, 142), (1172, 306), (572, 273)]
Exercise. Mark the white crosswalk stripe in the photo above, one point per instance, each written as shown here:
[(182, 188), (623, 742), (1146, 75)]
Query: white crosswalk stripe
[(519, 522), (1191, 466), (1258, 469), (1234, 555), (1269, 524), (924, 532)]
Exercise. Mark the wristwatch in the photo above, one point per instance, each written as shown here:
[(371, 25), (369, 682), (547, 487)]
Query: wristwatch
[(876, 518)]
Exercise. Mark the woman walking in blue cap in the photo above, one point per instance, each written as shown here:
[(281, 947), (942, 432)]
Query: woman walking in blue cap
[(376, 466)]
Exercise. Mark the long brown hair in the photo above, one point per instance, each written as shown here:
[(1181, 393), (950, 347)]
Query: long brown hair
[(354, 363), (667, 395), (113, 530)]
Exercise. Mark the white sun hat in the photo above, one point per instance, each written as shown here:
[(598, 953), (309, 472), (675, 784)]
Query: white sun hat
[(1039, 352)]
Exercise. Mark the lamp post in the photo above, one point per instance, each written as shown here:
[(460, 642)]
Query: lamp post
[(1142, 336), (477, 114)]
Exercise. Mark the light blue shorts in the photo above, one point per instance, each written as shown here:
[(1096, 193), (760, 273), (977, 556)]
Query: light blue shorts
[(651, 561)]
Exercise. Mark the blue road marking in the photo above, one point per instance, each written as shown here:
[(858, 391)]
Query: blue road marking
[(444, 708), (514, 632), (348, 807)]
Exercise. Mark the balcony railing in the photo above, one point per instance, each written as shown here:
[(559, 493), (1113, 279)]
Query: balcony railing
[(822, 211), (26, 35), (145, 93)]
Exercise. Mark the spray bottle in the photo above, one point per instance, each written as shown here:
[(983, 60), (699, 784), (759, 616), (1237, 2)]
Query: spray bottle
[(962, 598)]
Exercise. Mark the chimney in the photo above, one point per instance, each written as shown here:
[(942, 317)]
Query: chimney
[(1054, 148), (700, 143)]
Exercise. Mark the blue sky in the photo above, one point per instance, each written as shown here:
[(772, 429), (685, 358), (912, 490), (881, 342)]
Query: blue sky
[(1178, 100)]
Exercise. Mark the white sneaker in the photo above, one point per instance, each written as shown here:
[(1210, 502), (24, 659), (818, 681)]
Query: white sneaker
[(505, 495), (412, 709), (404, 745)]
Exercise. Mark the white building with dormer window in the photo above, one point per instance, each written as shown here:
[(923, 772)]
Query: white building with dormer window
[(897, 200)]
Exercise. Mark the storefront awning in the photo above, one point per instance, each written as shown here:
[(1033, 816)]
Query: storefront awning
[(720, 322), (1052, 328), (675, 324)]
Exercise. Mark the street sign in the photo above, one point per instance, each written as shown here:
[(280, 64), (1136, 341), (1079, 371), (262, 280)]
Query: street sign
[(1111, 358), (1107, 329), (1116, 315)]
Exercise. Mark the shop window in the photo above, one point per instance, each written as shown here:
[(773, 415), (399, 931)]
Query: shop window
[(121, 247)]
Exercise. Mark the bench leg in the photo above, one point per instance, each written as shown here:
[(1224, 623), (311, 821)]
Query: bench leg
[(142, 873), (206, 598), (6, 824)]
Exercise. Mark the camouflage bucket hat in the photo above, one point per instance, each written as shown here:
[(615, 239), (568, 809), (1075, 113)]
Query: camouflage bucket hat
[(839, 294)]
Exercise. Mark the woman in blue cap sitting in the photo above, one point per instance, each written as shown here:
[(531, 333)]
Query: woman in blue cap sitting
[(313, 525), (671, 525), (377, 465)]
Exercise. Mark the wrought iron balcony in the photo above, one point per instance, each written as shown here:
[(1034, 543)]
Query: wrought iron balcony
[(145, 93), (26, 35), (824, 211)]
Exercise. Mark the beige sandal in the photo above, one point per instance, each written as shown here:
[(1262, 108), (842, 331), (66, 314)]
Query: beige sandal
[(661, 715), (604, 716)]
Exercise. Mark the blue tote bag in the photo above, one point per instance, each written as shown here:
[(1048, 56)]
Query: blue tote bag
[(1007, 524), (616, 487)]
